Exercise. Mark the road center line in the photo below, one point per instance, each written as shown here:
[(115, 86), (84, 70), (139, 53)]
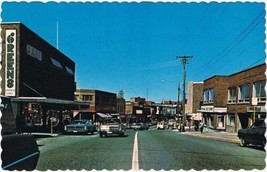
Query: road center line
[(135, 162)]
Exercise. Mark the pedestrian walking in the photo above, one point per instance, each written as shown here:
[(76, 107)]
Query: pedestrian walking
[(201, 127)]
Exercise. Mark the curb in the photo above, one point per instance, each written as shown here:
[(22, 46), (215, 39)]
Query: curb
[(232, 140)]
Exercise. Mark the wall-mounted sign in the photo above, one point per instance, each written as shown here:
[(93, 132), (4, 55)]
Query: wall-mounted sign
[(10, 85)]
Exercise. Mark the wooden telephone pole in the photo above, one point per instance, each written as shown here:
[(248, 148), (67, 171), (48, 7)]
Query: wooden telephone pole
[(184, 60)]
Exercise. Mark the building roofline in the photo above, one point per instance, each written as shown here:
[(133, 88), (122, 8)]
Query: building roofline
[(244, 70), (93, 90), (197, 82), (17, 22), (23, 25), (236, 72), (214, 76)]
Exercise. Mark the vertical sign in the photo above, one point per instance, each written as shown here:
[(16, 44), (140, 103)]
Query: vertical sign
[(10, 84)]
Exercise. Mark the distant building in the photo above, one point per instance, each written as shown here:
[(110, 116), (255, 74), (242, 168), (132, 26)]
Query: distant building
[(100, 103), (121, 104), (139, 110), (194, 101)]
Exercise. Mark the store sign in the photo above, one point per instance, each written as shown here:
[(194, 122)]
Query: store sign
[(139, 112), (256, 108), (10, 85)]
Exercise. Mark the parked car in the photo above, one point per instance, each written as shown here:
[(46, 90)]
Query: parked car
[(112, 127), (139, 126), (170, 123), (80, 126), (161, 125), (135, 126), (253, 135)]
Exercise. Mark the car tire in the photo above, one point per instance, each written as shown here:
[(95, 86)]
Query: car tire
[(242, 142), (101, 135), (264, 142)]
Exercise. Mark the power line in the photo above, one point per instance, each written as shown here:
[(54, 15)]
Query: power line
[(238, 39)]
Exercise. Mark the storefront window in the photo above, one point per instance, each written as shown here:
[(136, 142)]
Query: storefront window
[(244, 93), (232, 95), (220, 121), (231, 120), (259, 91)]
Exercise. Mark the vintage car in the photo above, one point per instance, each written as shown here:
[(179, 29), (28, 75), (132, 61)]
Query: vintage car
[(139, 126), (161, 125), (253, 135), (112, 127), (80, 126)]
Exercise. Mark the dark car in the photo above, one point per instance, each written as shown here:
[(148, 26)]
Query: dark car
[(80, 126), (253, 135), (139, 126)]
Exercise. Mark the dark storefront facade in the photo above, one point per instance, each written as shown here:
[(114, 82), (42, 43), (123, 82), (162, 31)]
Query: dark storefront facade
[(38, 78)]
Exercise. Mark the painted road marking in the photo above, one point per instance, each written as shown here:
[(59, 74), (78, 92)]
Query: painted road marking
[(135, 162)]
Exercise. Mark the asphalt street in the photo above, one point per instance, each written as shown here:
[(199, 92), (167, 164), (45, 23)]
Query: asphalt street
[(156, 149)]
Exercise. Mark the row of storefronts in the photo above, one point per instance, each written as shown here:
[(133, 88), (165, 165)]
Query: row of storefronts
[(235, 101)]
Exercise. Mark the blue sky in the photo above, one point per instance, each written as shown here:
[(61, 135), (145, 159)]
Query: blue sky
[(133, 46)]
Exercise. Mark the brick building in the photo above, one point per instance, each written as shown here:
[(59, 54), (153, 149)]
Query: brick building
[(227, 102), (139, 110), (194, 100), (214, 102), (242, 87), (39, 78), (99, 104)]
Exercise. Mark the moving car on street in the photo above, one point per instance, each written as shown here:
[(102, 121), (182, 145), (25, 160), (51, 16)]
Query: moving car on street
[(253, 135), (112, 127), (139, 126), (161, 125), (80, 126)]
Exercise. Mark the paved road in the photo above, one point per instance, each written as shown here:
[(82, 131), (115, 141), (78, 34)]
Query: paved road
[(157, 149)]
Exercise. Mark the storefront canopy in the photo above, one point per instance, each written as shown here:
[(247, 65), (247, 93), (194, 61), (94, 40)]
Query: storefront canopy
[(102, 115), (47, 100)]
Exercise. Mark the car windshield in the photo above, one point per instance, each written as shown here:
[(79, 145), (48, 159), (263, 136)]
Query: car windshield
[(112, 121), (78, 122)]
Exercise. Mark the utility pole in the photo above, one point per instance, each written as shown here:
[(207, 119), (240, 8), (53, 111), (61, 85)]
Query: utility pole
[(184, 60), (178, 99), (178, 104)]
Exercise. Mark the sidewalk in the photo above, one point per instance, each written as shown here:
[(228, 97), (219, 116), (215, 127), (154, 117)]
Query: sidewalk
[(215, 135)]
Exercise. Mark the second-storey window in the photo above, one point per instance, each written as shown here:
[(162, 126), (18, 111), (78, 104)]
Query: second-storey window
[(206, 96), (244, 95), (259, 91), (232, 95), (211, 95)]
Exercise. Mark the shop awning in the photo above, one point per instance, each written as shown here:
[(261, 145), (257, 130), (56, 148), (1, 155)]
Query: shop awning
[(115, 114), (76, 112), (47, 100), (102, 115)]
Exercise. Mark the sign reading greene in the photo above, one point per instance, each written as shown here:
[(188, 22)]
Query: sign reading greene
[(10, 63)]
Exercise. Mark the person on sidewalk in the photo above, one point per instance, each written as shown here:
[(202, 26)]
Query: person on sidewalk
[(201, 127)]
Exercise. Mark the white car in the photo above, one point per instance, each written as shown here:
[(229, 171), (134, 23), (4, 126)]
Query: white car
[(161, 125)]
